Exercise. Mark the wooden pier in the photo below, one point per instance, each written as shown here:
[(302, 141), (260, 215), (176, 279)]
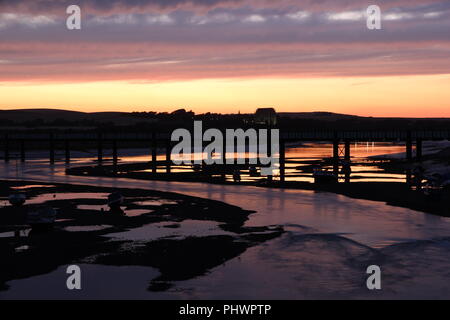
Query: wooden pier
[(340, 140)]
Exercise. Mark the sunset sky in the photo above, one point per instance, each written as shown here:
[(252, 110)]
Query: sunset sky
[(227, 56)]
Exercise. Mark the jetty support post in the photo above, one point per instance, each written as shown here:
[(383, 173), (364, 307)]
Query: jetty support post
[(269, 149), (67, 151), (336, 156), (347, 158), (409, 146), (114, 155), (224, 154), (22, 150), (52, 148), (282, 161), (6, 146), (419, 149), (154, 153), (347, 155), (100, 149), (168, 151)]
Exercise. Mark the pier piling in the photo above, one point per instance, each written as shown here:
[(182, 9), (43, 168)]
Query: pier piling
[(336, 156), (347, 155), (52, 148), (6, 146), (282, 161), (419, 149), (347, 165), (224, 154), (67, 151), (168, 151), (22, 150), (115, 153), (154, 153), (409, 146), (100, 150)]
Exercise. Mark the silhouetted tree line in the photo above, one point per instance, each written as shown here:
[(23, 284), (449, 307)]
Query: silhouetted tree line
[(181, 118)]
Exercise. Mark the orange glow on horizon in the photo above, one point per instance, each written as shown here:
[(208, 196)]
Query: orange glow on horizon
[(393, 96)]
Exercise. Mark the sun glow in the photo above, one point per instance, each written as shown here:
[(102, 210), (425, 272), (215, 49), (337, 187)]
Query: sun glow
[(406, 96)]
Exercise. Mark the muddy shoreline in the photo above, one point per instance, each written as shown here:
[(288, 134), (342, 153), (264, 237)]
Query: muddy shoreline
[(392, 193), (84, 234)]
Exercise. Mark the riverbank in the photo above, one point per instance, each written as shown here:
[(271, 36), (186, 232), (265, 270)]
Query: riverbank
[(392, 193), (324, 235), (159, 229)]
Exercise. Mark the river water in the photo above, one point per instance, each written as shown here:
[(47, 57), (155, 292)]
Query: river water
[(329, 243)]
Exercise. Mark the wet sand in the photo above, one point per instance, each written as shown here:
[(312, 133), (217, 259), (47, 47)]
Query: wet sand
[(327, 244), (392, 193), (83, 233)]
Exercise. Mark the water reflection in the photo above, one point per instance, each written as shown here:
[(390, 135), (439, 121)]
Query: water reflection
[(369, 222), (327, 235), (298, 157)]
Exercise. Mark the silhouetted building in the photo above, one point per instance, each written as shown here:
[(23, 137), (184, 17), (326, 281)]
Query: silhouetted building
[(267, 116)]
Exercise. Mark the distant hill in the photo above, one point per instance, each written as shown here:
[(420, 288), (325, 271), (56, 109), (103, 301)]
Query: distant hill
[(55, 115), (50, 115), (64, 119), (318, 115), (33, 114), (331, 116)]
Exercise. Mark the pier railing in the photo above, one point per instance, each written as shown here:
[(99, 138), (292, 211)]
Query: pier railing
[(58, 140)]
